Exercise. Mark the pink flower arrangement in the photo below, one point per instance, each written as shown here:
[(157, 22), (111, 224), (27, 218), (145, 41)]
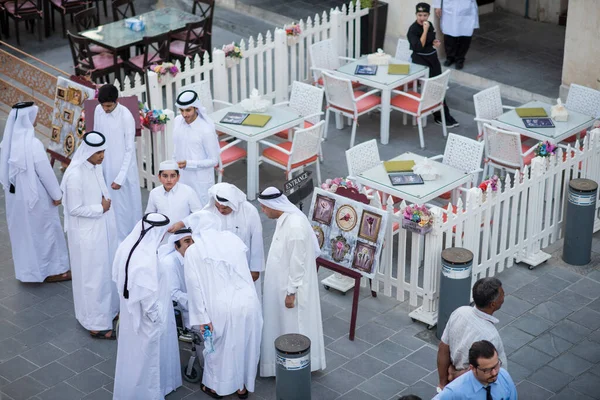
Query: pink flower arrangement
[(418, 214), (331, 185), (493, 182), (545, 149), (293, 30), (165, 68), (232, 50)]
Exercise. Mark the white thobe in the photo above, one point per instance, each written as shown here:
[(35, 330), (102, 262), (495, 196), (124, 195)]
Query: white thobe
[(92, 245), (38, 243), (148, 366), (172, 263), (459, 17), (120, 166), (224, 295), (176, 204), (291, 268), (245, 223), (197, 144)]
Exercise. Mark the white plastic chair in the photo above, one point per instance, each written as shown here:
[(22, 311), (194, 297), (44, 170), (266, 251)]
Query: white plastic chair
[(504, 150), (488, 106), (403, 51), (584, 100), (324, 57), (230, 154), (301, 152), (202, 88), (306, 100), (342, 99), (420, 105), (362, 157)]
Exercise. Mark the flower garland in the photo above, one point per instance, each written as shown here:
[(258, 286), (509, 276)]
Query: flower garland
[(331, 185), (232, 50), (293, 30), (545, 149), (492, 182), (164, 68), (418, 214)]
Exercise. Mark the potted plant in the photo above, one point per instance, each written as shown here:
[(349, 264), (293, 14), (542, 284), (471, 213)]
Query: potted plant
[(417, 219), (155, 120), (233, 54), (292, 33), (373, 25), (164, 69)]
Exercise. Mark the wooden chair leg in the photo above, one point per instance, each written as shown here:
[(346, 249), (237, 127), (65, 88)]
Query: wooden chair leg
[(53, 24), (17, 31), (105, 9), (64, 24), (40, 23)]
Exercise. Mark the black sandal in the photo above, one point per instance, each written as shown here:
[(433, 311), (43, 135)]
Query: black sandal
[(102, 334), (242, 395), (210, 392)]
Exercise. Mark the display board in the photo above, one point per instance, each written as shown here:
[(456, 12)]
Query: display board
[(68, 117), (350, 233)]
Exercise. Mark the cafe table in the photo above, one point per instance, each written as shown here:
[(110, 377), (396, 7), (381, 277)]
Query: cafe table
[(282, 118), (449, 178), (386, 83), (116, 36), (576, 122)]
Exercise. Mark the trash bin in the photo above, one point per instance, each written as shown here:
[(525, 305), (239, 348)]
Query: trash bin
[(579, 221), (455, 284), (292, 374)]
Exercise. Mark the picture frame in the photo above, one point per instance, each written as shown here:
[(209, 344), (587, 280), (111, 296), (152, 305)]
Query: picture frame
[(323, 212), (75, 96), (405, 178), (67, 116), (61, 93), (364, 257), (370, 223), (320, 235), (55, 134), (69, 145), (80, 127)]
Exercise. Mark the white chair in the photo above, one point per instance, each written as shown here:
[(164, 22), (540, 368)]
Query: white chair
[(324, 57), (420, 105), (362, 157), (202, 88), (306, 100), (504, 150), (403, 51), (584, 100), (230, 154), (343, 100), (488, 106), (301, 152)]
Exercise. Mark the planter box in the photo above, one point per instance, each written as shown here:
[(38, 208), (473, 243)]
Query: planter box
[(414, 227), (366, 29)]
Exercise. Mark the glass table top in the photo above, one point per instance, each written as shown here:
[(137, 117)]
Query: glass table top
[(281, 118), (575, 123), (116, 35), (448, 178), (382, 77)]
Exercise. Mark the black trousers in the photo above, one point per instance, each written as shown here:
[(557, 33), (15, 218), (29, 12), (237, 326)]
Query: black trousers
[(456, 47), (435, 68)]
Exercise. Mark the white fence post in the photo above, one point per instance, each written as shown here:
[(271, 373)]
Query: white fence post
[(220, 78), (155, 99), (281, 62), (336, 32), (168, 139)]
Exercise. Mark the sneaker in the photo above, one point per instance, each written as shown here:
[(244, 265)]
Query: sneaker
[(185, 337), (448, 63), (460, 65), (450, 122)]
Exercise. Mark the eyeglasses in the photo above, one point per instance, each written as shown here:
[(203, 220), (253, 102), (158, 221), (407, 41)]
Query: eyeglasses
[(489, 370)]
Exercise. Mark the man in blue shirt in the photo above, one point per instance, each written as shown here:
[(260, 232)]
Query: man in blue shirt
[(486, 379)]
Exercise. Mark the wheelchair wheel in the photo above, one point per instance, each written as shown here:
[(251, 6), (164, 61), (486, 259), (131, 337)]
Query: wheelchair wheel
[(195, 375)]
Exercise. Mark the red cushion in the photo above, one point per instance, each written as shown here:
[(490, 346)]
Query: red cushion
[(234, 153), (284, 134), (364, 104), (105, 60), (281, 158), (177, 47), (408, 104), (446, 196), (526, 160)]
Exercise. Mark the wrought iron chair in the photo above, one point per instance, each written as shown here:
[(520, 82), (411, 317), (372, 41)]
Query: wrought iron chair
[(488, 106), (88, 19), (155, 51), (420, 105), (122, 9), (95, 65), (306, 100), (66, 7), (19, 11), (504, 150), (206, 10), (192, 44)]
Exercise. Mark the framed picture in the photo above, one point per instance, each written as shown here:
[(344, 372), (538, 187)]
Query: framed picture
[(55, 133), (67, 116), (75, 96), (80, 126), (369, 226), (364, 257), (346, 217), (339, 248), (323, 209), (69, 145), (61, 93), (320, 235)]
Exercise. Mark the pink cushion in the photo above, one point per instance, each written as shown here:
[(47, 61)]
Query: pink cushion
[(68, 4), (408, 104), (232, 154), (177, 47), (30, 7), (105, 60), (94, 48), (183, 35), (354, 84), (364, 104), (138, 61)]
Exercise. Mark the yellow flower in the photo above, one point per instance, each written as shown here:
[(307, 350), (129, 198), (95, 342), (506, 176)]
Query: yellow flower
[(236, 49)]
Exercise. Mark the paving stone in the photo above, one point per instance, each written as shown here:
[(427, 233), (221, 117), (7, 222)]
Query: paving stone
[(363, 316), (108, 367), (586, 287), (43, 354), (565, 274), (328, 310), (550, 379), (45, 290), (317, 391), (514, 338), (551, 311), (35, 336), (587, 384), (406, 372), (395, 319), (54, 306), (421, 389), (532, 324), (373, 333), (588, 350), (517, 371), (515, 306), (595, 336), (428, 336), (571, 331), (530, 358), (63, 323), (23, 388), (10, 348), (52, 374), (89, 380), (356, 394), (551, 344), (365, 366), (530, 391), (15, 368), (534, 294), (100, 394), (570, 364), (104, 348), (27, 318), (425, 357), (81, 360), (389, 352), (594, 275), (336, 328), (348, 348), (570, 394), (586, 317), (595, 305), (382, 387), (503, 318), (62, 391), (406, 339), (265, 388), (8, 329), (571, 300), (20, 301), (72, 340), (341, 380), (552, 282)]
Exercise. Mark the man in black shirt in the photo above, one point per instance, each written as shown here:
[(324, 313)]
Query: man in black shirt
[(421, 36)]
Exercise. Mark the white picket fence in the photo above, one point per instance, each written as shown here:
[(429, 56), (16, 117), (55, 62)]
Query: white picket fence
[(515, 223)]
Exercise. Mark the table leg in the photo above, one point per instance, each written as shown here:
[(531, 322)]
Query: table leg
[(46, 17), (354, 307), (386, 96), (339, 121), (252, 170)]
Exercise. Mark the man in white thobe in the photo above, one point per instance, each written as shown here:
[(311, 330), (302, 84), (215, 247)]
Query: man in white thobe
[(238, 216), (291, 291), (91, 230), (222, 299), (148, 352), (120, 168), (32, 197), (458, 20), (174, 199), (196, 144), (171, 258)]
